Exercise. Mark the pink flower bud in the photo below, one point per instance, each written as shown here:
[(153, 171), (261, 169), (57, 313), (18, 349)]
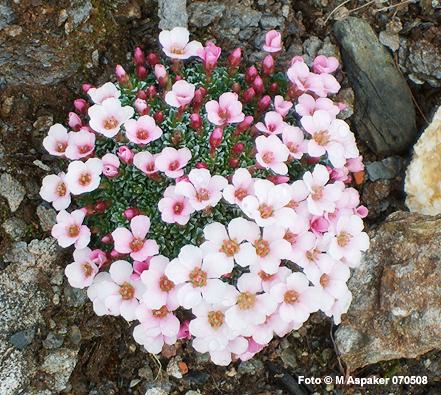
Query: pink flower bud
[(235, 57), (236, 87), (141, 95), (319, 225), (153, 59), (258, 85), (195, 121), (141, 72), (278, 179), (151, 91), (245, 124), (75, 122), (138, 57), (362, 211), (125, 154), (107, 239), (100, 206), (81, 105), (159, 116), (250, 74), (201, 165), (184, 331), (233, 162), (115, 254), (209, 55), (142, 107), (130, 213), (85, 87), (216, 137), (249, 95), (99, 257), (160, 71), (274, 88), (139, 267), (121, 75), (238, 148), (264, 103), (268, 65)]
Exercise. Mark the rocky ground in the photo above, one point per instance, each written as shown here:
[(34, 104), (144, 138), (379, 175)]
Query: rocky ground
[(50, 340)]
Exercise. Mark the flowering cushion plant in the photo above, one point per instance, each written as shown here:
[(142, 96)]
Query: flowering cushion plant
[(217, 198)]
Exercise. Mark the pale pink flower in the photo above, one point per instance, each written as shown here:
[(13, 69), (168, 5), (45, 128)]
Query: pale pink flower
[(75, 121), (175, 43), (83, 270), (108, 117), (54, 190), (263, 333), (69, 229), (339, 307), (328, 85), (209, 328), (80, 144), (267, 205), (270, 249), (142, 130), (82, 177), (322, 197), (274, 123), (209, 55), (156, 328), (297, 298), (294, 139), (198, 278), (56, 140), (134, 241), (281, 105), (241, 186), (235, 347), (227, 246), (227, 110), (355, 164), (349, 239), (110, 165), (307, 105), (268, 280), (272, 154), (145, 161), (251, 307), (175, 208), (252, 349), (299, 192), (202, 189), (182, 93), (273, 41), (101, 287), (160, 290), (172, 161), (301, 78), (325, 64), (106, 91)]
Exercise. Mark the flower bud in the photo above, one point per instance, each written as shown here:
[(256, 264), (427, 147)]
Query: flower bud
[(81, 106), (249, 95), (100, 206), (153, 59), (75, 122), (125, 154), (121, 75), (278, 179), (130, 213), (235, 57), (159, 116), (184, 331), (107, 239), (141, 72), (236, 88), (245, 124), (178, 78), (274, 88), (138, 57), (268, 65), (238, 148), (233, 162), (250, 74), (85, 87), (141, 95), (195, 121), (142, 107), (151, 91), (258, 85), (216, 137), (264, 103), (201, 165), (114, 254), (99, 257)]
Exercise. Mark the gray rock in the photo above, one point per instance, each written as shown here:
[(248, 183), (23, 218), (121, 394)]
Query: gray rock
[(74, 297), (12, 190), (253, 367), (53, 340), (385, 169), (20, 254), (173, 368), (46, 253), (157, 391), (269, 22), (7, 15), (172, 13), (396, 306), (78, 13), (47, 217), (15, 228), (22, 339), (203, 14), (239, 23), (384, 113), (60, 364)]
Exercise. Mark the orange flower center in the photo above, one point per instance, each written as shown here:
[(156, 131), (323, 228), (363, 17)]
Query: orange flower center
[(265, 276), (246, 300), (265, 211), (343, 238), (202, 195), (73, 230), (230, 247), (198, 277), (165, 284), (324, 280), (177, 50), (215, 319), (240, 194), (290, 297), (127, 291), (61, 147), (322, 138), (317, 193), (160, 313), (290, 237), (178, 207), (87, 269), (110, 123), (136, 245), (84, 149), (85, 179), (268, 157), (262, 247), (142, 134), (61, 189), (312, 255), (292, 204), (293, 148)]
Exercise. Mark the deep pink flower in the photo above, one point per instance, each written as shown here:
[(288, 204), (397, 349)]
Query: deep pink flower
[(69, 229), (54, 190), (273, 41), (56, 140), (324, 64), (209, 55), (227, 110), (172, 161), (175, 43), (134, 241), (182, 93), (175, 208), (142, 130), (110, 165)]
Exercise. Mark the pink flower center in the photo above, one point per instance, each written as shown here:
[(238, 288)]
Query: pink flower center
[(85, 179), (240, 194), (136, 244), (293, 148), (127, 291), (230, 247), (110, 123), (272, 127), (223, 113), (246, 300), (173, 165), (198, 277), (160, 313), (290, 297), (142, 134), (73, 231), (312, 255), (178, 207), (290, 237), (61, 147), (268, 157), (317, 193), (87, 269), (265, 276), (202, 195), (84, 149), (215, 319), (324, 280), (262, 247), (292, 204), (322, 137), (150, 167), (61, 189), (265, 211), (343, 238), (165, 284)]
